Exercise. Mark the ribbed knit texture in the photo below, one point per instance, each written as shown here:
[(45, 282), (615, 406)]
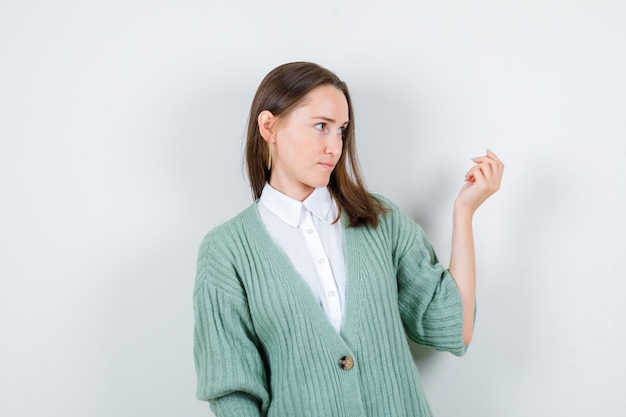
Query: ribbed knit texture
[(264, 347)]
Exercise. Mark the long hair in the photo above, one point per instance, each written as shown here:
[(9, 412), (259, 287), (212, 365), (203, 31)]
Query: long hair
[(280, 92)]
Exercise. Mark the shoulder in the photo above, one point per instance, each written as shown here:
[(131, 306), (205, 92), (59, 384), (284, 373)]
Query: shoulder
[(401, 227), (393, 214), (230, 231), (390, 219), (386, 202), (221, 248)]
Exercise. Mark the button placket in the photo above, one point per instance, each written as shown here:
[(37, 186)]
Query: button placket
[(331, 303)]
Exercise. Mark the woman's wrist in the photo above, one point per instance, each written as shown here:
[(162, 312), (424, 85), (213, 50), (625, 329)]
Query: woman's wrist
[(462, 213)]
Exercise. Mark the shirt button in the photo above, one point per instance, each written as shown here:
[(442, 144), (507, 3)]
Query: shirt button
[(346, 363), (321, 261), (310, 231), (331, 293)]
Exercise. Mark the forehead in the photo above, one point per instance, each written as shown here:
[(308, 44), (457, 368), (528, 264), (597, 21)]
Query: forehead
[(325, 101)]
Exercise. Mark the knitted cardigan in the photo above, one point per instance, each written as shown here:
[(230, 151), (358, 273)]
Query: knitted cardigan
[(264, 347)]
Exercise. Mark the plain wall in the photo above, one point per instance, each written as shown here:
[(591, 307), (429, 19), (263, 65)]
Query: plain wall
[(121, 133)]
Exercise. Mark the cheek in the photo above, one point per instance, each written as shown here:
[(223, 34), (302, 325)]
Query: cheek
[(297, 149), (300, 145), (305, 145)]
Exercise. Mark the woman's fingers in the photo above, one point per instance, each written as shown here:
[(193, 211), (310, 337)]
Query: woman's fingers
[(482, 180), (495, 163), (491, 168)]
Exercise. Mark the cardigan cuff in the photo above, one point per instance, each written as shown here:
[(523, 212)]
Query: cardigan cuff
[(236, 404)]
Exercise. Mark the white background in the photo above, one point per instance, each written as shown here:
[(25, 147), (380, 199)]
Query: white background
[(122, 125)]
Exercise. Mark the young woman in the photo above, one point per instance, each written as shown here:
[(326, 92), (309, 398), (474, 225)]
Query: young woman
[(303, 302)]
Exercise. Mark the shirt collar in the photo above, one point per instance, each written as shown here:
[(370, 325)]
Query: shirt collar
[(320, 203)]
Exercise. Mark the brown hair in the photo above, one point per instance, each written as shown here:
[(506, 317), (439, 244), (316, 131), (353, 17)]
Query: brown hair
[(280, 92)]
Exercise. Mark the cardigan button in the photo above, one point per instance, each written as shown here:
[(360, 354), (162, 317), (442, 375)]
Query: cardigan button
[(346, 363)]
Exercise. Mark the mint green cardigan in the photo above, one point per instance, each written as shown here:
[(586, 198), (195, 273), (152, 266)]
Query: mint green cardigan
[(264, 347)]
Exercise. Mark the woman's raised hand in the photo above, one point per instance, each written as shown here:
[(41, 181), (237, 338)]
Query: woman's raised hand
[(481, 181)]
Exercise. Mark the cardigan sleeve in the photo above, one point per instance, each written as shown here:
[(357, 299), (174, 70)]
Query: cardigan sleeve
[(428, 298), (229, 366)]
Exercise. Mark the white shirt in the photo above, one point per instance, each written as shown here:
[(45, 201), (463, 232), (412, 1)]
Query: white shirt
[(314, 245)]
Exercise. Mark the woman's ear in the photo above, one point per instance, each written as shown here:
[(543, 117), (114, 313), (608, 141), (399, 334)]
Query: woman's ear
[(267, 124)]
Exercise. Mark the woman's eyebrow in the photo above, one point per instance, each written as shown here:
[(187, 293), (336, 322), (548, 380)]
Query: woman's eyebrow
[(328, 119)]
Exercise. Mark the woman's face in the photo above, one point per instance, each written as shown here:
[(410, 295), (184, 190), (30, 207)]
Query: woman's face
[(306, 144)]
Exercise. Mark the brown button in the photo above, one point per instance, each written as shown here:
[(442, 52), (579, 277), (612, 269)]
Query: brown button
[(346, 363)]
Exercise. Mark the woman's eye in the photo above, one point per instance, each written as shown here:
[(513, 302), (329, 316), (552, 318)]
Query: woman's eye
[(341, 130), (321, 126)]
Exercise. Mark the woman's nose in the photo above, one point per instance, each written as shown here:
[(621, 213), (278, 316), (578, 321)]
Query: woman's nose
[(334, 144)]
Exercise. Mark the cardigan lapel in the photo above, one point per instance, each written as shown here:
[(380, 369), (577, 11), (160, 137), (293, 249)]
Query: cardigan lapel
[(294, 280)]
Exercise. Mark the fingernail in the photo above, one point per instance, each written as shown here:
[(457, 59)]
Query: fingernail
[(489, 150), (475, 158)]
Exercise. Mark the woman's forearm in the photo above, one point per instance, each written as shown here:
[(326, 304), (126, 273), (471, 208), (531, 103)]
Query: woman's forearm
[(463, 267)]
